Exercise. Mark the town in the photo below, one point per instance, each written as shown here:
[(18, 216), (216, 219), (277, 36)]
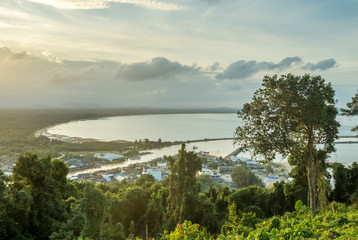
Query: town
[(215, 169)]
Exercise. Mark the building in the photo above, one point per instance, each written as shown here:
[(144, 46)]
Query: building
[(109, 156), (157, 174)]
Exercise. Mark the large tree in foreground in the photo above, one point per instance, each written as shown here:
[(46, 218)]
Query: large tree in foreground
[(291, 115)]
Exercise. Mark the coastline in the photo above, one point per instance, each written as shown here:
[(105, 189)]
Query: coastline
[(44, 132)]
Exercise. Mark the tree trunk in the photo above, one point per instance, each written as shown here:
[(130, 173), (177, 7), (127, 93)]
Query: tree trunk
[(181, 181), (311, 168)]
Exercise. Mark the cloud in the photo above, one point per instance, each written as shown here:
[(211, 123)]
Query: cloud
[(100, 4), (288, 62), (37, 79), (71, 72), (157, 68), (53, 70), (243, 69), (215, 66), (321, 65), (48, 69), (51, 57), (9, 57)]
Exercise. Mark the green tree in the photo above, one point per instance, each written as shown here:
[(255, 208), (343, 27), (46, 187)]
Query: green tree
[(353, 179), (93, 206), (345, 183), (136, 200), (352, 109), (42, 182), (188, 231), (252, 199), (243, 177), (340, 176), (290, 114), (2, 184), (183, 190), (154, 214), (3, 212)]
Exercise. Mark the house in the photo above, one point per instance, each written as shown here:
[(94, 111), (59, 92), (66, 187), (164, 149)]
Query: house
[(214, 174), (163, 165), (109, 156), (225, 169), (107, 177), (271, 179), (252, 164), (120, 176), (155, 173)]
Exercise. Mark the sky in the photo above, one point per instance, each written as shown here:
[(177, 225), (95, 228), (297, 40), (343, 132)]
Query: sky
[(170, 53)]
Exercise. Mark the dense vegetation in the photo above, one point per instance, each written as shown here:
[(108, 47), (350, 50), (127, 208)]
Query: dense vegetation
[(242, 177), (339, 222), (38, 202)]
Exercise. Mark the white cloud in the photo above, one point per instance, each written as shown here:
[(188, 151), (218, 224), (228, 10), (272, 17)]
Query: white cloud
[(99, 4), (51, 57)]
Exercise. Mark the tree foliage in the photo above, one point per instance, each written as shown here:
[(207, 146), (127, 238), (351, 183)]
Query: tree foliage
[(41, 194), (243, 177), (352, 109), (345, 183), (337, 223), (183, 190)]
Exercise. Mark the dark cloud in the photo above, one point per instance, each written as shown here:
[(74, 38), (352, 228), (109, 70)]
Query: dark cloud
[(17, 56), (288, 61), (157, 68), (9, 56), (321, 65), (4, 52), (215, 66), (243, 69)]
